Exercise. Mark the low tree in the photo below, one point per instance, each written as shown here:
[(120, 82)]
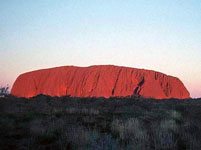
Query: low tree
[(4, 91)]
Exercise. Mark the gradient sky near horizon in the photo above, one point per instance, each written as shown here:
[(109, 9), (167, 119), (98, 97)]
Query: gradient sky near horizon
[(161, 35)]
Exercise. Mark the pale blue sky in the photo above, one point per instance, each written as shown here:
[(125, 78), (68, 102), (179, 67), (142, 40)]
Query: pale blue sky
[(161, 35)]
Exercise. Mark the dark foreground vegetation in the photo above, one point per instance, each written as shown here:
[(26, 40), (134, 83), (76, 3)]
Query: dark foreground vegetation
[(53, 123)]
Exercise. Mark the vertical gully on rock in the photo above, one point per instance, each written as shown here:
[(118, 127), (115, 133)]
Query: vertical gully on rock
[(138, 88), (114, 88), (96, 83)]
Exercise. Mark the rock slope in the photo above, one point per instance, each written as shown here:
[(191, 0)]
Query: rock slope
[(99, 81)]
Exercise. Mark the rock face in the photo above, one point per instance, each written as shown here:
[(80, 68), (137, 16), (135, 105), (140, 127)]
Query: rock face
[(99, 81)]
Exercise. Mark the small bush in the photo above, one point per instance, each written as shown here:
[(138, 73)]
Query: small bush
[(168, 125), (177, 116), (77, 136), (4, 91), (165, 140), (131, 132)]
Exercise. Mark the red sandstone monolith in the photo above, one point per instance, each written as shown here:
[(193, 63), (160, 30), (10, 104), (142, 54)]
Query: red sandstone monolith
[(99, 81)]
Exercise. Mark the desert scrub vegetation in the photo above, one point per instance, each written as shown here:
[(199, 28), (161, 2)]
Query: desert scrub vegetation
[(131, 132), (45, 122), (4, 91)]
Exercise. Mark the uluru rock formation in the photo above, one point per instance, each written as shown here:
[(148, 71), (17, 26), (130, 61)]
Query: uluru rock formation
[(99, 81)]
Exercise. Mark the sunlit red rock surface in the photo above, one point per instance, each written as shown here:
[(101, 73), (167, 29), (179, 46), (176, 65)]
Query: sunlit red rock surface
[(99, 81)]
